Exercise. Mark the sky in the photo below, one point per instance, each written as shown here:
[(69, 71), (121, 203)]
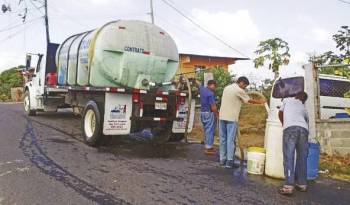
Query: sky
[(307, 26)]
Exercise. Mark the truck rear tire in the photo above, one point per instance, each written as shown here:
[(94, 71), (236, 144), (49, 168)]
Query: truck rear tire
[(92, 124), (26, 105)]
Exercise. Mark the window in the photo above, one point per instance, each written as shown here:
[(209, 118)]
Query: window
[(288, 87), (334, 88), (199, 68)]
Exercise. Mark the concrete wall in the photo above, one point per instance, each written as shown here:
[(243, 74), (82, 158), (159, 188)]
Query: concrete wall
[(334, 136)]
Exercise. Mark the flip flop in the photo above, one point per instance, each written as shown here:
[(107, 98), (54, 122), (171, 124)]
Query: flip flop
[(286, 191), (301, 188), (209, 152)]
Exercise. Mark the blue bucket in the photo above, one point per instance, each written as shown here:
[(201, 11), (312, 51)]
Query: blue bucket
[(313, 159)]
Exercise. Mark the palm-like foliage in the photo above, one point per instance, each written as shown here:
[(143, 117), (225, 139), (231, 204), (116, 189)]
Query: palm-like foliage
[(275, 52), (342, 38)]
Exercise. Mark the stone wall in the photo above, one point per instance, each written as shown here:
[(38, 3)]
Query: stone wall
[(334, 136)]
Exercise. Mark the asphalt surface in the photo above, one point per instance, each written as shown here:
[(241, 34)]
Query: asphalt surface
[(43, 160)]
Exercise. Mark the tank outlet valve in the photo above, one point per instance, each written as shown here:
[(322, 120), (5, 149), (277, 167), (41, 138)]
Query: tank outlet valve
[(145, 82)]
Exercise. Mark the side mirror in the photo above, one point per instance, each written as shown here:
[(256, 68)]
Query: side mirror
[(28, 61)]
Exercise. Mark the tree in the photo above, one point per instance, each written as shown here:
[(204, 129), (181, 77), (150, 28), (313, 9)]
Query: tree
[(275, 51), (266, 88), (8, 79), (328, 57), (342, 39), (222, 77)]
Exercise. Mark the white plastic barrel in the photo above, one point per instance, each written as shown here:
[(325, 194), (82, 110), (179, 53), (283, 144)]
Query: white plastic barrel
[(255, 160), (273, 146)]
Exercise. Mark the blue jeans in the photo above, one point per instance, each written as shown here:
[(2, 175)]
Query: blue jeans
[(209, 123), (228, 131), (295, 138)]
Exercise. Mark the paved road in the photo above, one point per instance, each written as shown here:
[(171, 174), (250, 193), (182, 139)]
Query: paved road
[(44, 161)]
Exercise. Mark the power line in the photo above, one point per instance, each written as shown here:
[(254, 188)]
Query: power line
[(190, 35), (204, 29), (18, 25), (72, 19), (12, 35)]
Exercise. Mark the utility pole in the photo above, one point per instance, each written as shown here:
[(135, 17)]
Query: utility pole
[(151, 13), (46, 23)]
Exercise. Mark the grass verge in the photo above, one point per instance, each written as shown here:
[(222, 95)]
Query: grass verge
[(337, 167)]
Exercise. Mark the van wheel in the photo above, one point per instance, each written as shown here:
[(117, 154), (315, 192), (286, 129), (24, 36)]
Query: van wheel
[(26, 105), (92, 124)]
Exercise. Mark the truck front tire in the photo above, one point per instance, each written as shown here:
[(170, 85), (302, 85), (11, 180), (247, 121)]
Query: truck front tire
[(92, 124), (27, 106)]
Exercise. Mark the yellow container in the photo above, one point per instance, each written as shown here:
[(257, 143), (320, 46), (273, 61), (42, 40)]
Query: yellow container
[(256, 160)]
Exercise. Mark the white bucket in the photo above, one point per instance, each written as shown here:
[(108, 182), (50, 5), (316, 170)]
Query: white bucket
[(256, 160)]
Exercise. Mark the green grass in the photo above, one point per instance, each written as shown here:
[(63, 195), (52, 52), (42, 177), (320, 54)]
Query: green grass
[(338, 166)]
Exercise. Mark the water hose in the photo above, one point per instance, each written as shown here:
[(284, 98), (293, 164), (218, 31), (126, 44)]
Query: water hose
[(189, 107)]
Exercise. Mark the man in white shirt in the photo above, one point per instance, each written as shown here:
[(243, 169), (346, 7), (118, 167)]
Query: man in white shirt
[(232, 98), (295, 121)]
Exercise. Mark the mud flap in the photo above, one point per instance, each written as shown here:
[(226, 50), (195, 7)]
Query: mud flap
[(118, 110)]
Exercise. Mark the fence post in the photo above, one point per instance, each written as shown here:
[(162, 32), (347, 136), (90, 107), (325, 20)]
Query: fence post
[(312, 104)]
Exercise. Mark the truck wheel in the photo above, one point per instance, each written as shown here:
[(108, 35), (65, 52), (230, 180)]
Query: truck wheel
[(92, 124), (176, 137), (26, 104)]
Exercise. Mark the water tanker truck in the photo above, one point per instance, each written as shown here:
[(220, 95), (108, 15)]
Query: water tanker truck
[(118, 77)]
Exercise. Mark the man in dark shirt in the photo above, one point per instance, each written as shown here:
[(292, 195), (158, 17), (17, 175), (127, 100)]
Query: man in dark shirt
[(209, 114)]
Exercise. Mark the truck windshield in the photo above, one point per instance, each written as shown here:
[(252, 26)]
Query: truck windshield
[(288, 87), (334, 88)]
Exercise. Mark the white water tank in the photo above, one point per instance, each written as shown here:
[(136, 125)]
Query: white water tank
[(273, 146), (273, 142), (124, 53)]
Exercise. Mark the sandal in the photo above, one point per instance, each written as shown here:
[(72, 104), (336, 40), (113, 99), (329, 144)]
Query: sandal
[(210, 151), (286, 190), (301, 188)]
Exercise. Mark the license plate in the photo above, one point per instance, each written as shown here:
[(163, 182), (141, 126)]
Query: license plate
[(160, 106)]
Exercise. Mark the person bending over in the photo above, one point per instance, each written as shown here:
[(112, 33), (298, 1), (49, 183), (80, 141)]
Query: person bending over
[(295, 121)]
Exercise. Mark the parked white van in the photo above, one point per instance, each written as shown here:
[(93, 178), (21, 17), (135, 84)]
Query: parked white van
[(332, 92), (332, 105)]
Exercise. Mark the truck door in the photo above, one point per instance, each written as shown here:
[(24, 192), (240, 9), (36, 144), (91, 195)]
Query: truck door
[(39, 77)]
